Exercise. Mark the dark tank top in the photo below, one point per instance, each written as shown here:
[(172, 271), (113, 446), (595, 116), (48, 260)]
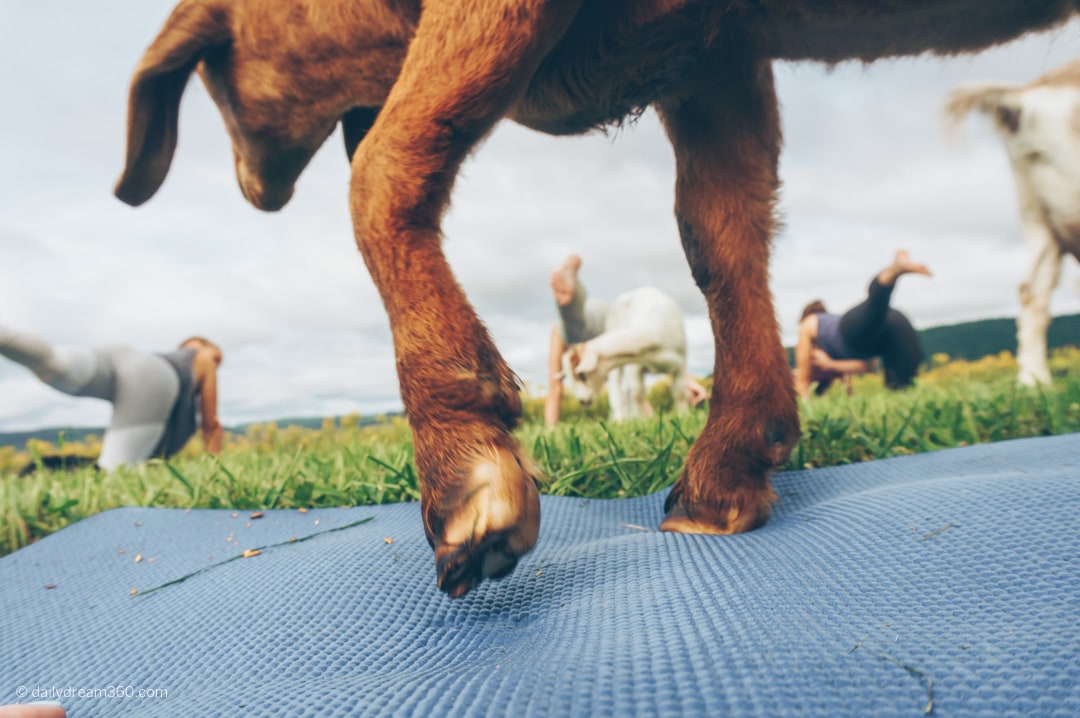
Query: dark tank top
[(183, 419), (832, 341)]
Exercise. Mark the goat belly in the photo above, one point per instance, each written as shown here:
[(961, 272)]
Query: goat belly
[(837, 30)]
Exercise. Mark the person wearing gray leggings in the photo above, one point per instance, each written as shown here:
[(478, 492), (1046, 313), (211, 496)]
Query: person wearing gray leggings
[(581, 318), (157, 399)]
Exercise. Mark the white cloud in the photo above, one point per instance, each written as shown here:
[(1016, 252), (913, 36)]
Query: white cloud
[(866, 168)]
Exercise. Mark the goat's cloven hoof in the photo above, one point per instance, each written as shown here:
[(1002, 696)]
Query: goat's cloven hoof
[(736, 511), (496, 523)]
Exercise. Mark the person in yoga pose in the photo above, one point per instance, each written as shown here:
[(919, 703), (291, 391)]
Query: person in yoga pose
[(833, 346), (581, 318), (157, 399)]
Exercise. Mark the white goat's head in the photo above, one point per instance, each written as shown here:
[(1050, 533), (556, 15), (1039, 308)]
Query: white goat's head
[(581, 370)]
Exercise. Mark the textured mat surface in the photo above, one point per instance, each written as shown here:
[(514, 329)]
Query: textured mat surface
[(876, 587)]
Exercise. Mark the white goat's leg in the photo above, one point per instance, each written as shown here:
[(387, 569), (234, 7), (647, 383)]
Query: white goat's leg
[(1034, 319), (634, 389), (616, 397), (679, 391)]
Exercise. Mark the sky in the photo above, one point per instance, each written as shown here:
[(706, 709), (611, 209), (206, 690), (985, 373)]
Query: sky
[(867, 168)]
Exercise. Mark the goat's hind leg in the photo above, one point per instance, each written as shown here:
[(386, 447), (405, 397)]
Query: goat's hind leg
[(637, 400), (680, 393), (726, 139), (616, 394), (466, 65), (1034, 320)]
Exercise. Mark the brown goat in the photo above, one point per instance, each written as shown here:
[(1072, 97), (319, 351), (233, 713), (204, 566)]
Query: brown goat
[(418, 84)]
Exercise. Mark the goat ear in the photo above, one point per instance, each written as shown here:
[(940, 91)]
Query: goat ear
[(587, 359), (572, 356), (154, 100), (355, 125)]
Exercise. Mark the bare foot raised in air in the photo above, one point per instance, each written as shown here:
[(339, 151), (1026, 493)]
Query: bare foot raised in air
[(902, 264), (564, 278)]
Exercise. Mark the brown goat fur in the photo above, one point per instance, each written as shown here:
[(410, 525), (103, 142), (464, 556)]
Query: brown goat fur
[(430, 80)]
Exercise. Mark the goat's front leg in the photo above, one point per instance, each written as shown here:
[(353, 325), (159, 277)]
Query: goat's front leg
[(726, 139), (632, 384), (616, 392), (680, 394), (1034, 320), (468, 63)]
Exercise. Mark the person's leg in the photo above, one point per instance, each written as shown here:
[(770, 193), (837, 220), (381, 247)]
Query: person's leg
[(564, 280), (553, 403), (596, 313), (569, 299), (65, 368), (146, 389), (571, 305), (581, 319), (863, 326), (901, 352)]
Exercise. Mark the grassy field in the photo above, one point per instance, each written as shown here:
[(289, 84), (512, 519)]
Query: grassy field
[(954, 404)]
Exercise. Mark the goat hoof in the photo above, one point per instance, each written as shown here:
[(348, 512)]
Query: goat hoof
[(724, 487), (731, 512), (488, 522), (1033, 378)]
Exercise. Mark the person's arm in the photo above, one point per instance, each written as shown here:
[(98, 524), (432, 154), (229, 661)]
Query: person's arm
[(206, 376), (695, 392), (804, 347), (553, 401), (841, 366)]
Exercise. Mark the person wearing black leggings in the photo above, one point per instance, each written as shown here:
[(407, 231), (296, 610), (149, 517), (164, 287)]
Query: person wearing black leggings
[(831, 346)]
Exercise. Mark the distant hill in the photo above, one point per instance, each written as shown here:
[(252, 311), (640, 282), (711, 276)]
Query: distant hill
[(973, 340), (76, 434), (312, 422)]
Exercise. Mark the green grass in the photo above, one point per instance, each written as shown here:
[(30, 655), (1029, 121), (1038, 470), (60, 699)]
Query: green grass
[(954, 405)]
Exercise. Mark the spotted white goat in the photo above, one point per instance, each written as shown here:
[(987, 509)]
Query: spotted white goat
[(1040, 126), (643, 333)]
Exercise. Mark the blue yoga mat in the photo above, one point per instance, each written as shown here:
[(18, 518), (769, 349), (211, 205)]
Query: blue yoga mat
[(945, 582)]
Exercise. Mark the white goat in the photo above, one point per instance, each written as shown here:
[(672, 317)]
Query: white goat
[(643, 333), (1040, 125)]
